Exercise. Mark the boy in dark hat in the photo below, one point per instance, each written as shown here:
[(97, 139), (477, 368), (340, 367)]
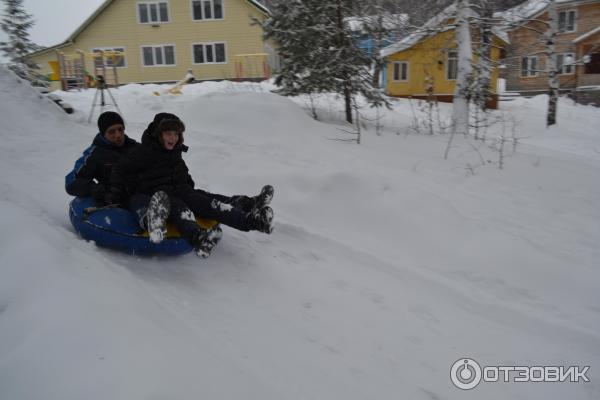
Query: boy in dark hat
[(90, 176), (165, 189)]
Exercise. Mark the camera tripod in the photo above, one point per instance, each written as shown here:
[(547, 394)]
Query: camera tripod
[(101, 86)]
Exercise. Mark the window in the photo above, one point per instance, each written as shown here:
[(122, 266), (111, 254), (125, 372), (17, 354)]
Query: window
[(209, 53), (452, 65), (561, 60), (529, 66), (109, 56), (401, 71), (567, 21), (593, 66), (153, 12), (207, 9), (158, 55)]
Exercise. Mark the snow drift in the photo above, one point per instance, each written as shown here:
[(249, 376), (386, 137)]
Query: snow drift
[(387, 263)]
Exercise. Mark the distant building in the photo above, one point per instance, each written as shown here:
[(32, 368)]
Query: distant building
[(577, 48), (425, 64), (161, 40)]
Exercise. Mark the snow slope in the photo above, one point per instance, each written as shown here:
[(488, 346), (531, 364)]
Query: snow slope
[(387, 263)]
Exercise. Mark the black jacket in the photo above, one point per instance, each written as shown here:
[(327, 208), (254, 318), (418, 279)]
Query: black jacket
[(154, 168), (92, 171)]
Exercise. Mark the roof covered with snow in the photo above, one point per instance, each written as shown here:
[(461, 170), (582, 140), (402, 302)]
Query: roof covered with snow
[(432, 27), (531, 8), (390, 21), (587, 35)]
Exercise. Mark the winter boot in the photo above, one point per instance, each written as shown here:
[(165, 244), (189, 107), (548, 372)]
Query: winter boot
[(261, 220), (204, 240), (264, 198), (249, 204), (158, 212)]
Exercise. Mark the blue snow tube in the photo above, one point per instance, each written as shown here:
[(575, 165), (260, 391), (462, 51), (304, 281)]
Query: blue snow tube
[(118, 228)]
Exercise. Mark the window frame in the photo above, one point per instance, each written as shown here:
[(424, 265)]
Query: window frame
[(112, 48), (530, 74), (212, 10), (400, 64), (204, 53), (572, 66), (157, 2), (155, 46), (448, 58), (567, 12)]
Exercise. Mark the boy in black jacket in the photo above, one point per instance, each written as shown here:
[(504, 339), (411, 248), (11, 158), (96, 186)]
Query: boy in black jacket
[(165, 189), (90, 176)]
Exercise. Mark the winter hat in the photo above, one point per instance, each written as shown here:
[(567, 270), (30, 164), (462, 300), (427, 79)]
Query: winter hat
[(160, 116), (108, 119), (170, 125)]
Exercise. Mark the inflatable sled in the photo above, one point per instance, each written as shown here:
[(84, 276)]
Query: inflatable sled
[(118, 228)]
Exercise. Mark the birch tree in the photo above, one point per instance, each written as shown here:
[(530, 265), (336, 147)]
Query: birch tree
[(460, 104), (553, 83)]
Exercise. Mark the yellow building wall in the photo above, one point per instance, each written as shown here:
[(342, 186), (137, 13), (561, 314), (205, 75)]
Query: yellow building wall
[(429, 58), (118, 26)]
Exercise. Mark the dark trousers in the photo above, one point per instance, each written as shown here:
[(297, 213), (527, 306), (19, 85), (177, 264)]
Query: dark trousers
[(217, 207), (181, 216)]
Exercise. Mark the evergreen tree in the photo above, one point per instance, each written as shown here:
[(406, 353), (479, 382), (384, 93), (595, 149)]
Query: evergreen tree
[(318, 51), (16, 22), (383, 23)]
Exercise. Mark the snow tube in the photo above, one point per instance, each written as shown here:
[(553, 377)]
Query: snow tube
[(118, 228)]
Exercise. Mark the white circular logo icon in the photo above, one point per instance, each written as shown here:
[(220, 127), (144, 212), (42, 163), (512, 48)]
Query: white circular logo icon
[(465, 373)]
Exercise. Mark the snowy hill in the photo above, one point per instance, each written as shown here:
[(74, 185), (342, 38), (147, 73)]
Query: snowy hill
[(387, 263)]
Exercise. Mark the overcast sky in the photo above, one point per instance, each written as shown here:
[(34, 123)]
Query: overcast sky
[(55, 20)]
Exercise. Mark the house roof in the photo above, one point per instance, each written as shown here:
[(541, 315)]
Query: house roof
[(431, 28), (99, 11), (533, 8), (390, 21), (586, 35)]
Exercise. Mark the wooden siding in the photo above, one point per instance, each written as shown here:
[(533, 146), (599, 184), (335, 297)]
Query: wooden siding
[(525, 42), (118, 26), (429, 57)]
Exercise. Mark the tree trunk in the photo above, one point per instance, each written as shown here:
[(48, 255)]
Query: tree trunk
[(347, 90), (378, 45), (485, 55), (553, 83), (460, 107), (376, 74)]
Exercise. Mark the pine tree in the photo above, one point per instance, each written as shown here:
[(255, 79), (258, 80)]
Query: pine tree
[(380, 21), (318, 50), (16, 22)]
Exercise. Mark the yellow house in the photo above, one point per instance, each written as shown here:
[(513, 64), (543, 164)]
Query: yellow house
[(424, 63), (161, 40)]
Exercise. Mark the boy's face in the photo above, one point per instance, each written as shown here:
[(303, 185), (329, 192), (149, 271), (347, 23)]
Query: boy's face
[(170, 139), (115, 134)]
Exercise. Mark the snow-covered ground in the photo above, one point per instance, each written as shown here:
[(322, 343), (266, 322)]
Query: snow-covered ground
[(387, 264)]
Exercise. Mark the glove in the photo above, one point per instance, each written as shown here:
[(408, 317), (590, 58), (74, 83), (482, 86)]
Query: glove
[(113, 196), (98, 193)]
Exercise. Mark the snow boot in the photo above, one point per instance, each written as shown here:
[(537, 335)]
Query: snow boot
[(264, 198), (248, 204), (158, 212), (261, 220), (204, 240)]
